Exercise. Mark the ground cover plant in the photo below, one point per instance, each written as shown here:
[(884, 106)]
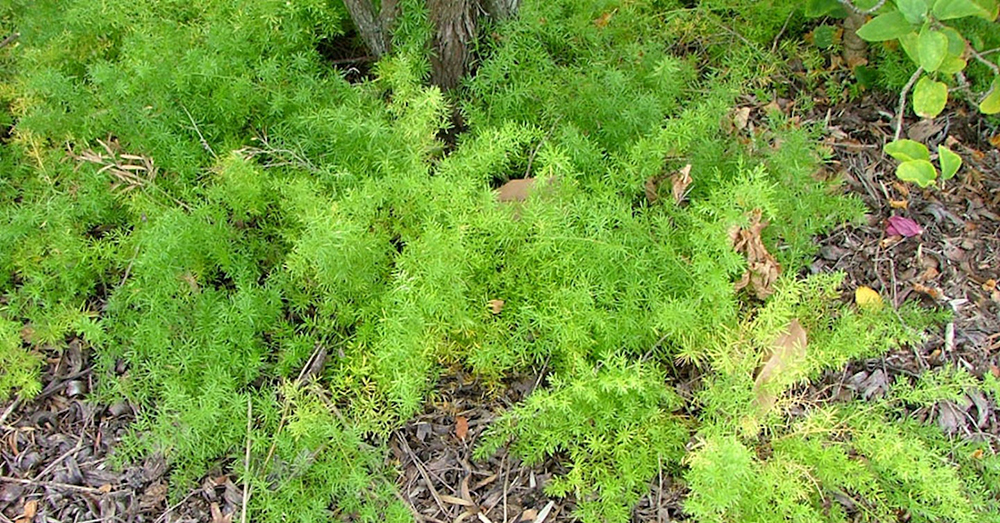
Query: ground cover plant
[(275, 257)]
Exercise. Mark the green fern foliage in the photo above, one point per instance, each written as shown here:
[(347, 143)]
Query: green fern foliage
[(195, 193)]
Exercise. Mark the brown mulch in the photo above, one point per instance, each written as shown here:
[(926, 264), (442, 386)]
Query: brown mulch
[(55, 449)]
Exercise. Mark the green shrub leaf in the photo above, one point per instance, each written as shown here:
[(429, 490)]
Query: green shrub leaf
[(909, 43), (991, 104), (884, 27), (950, 162), (951, 9), (906, 150), (932, 48), (915, 11), (929, 97), (920, 172)]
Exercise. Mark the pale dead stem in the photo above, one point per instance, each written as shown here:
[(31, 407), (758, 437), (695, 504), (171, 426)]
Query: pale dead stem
[(130, 171)]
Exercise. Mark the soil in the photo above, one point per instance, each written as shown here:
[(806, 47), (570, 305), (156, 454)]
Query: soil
[(57, 449)]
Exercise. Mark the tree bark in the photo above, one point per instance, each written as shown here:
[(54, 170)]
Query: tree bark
[(370, 25), (855, 49), (454, 29), (501, 9)]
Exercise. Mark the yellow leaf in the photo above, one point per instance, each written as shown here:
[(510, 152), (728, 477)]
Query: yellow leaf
[(867, 298)]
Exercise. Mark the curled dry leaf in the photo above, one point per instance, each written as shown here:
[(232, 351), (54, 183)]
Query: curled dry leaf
[(679, 183), (762, 268), (496, 306), (900, 226), (461, 427), (787, 353)]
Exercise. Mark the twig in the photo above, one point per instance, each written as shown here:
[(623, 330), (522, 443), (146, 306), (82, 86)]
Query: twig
[(545, 512), (774, 44), (902, 101), (57, 461), (53, 484), (981, 57), (531, 157), (850, 5), (353, 60), (10, 409), (163, 517), (246, 462), (204, 143), (9, 40), (423, 474)]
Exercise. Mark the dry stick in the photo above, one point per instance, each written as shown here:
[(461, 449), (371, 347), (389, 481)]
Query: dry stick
[(981, 58), (9, 40), (850, 5), (52, 466), (246, 458), (423, 474), (10, 409), (902, 101), (163, 517), (53, 484), (204, 143)]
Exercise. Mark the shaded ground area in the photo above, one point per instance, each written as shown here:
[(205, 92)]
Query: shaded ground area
[(54, 450)]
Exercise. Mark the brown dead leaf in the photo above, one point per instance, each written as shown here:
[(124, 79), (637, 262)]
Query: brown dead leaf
[(679, 183), (899, 204), (30, 510), (496, 306), (452, 500), (515, 190), (461, 427), (787, 353), (218, 516), (995, 140), (741, 118), (933, 292), (602, 21), (105, 488), (529, 515), (762, 268), (990, 285)]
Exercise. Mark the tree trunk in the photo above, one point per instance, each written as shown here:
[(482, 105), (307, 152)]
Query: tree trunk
[(501, 9), (855, 49), (370, 26), (454, 24), (454, 29)]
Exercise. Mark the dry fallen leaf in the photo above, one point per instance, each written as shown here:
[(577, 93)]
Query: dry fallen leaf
[(515, 190), (679, 183), (900, 226), (867, 298), (30, 509), (652, 188), (105, 488), (218, 516), (741, 117), (602, 21), (496, 306), (762, 268), (933, 292), (899, 204), (990, 285), (461, 427), (787, 353), (529, 514)]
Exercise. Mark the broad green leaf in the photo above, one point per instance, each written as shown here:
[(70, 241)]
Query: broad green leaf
[(932, 47), (991, 104), (920, 172), (818, 8), (956, 42), (884, 27), (906, 150), (952, 65), (951, 9), (929, 97), (823, 36), (915, 11), (909, 43), (950, 162)]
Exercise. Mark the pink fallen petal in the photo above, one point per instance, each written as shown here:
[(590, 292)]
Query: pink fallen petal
[(900, 226)]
